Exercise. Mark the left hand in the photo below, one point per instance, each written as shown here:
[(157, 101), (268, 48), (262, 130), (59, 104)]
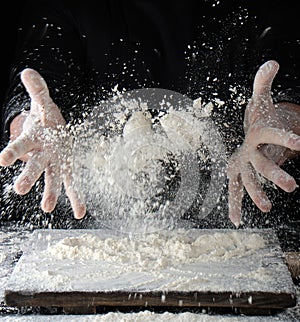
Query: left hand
[(269, 140)]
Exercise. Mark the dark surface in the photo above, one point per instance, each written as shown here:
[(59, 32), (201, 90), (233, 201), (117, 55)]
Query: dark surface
[(261, 300)]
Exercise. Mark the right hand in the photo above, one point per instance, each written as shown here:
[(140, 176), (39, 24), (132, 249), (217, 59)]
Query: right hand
[(43, 143)]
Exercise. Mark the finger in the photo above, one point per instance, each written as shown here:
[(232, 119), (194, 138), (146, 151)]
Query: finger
[(270, 135), (271, 171), (77, 202), (31, 173), (36, 87), (53, 184), (264, 78), (16, 150), (235, 198), (254, 189), (42, 104)]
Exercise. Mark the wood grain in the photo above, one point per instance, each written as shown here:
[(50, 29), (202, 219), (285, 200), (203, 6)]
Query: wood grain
[(179, 299)]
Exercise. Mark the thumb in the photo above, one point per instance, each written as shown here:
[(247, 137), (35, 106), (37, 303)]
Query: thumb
[(264, 78)]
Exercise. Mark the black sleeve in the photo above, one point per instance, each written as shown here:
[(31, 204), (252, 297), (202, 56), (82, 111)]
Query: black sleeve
[(265, 30), (49, 42)]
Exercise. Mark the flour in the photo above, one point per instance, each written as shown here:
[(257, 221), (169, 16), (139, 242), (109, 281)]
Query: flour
[(119, 170), (171, 257), (158, 250), (44, 271), (260, 274), (137, 159), (181, 260), (145, 316)]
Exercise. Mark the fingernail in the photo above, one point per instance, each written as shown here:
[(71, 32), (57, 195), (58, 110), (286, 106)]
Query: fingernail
[(80, 212), (22, 187), (293, 185), (49, 204), (236, 224), (48, 208), (5, 160)]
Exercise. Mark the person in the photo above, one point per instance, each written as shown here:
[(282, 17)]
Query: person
[(72, 54)]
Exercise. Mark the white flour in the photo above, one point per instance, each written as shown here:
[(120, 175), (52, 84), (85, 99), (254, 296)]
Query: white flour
[(291, 314), (177, 260), (158, 250), (146, 316), (139, 162)]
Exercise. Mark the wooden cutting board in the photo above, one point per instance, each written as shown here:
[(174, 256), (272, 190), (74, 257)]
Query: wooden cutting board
[(255, 282)]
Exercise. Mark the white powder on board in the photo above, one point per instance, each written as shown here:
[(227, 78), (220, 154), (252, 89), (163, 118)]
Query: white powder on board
[(178, 260), (158, 250), (116, 316), (172, 257)]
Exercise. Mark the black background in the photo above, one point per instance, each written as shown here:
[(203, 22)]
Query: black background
[(9, 24)]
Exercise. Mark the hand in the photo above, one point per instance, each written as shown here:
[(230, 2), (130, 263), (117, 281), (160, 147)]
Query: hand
[(42, 143), (269, 140)]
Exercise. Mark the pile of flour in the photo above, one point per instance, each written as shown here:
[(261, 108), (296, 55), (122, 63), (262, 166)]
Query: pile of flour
[(158, 250), (178, 260)]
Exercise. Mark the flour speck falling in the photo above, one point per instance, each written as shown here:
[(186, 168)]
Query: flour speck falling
[(138, 159)]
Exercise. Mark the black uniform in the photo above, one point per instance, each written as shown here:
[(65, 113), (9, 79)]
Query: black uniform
[(198, 48)]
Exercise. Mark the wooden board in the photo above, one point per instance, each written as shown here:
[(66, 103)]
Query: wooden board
[(76, 285)]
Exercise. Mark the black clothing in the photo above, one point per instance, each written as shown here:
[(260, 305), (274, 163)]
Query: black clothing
[(182, 46), (208, 49)]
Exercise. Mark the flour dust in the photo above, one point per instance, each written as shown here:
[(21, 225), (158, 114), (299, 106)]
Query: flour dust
[(138, 159)]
